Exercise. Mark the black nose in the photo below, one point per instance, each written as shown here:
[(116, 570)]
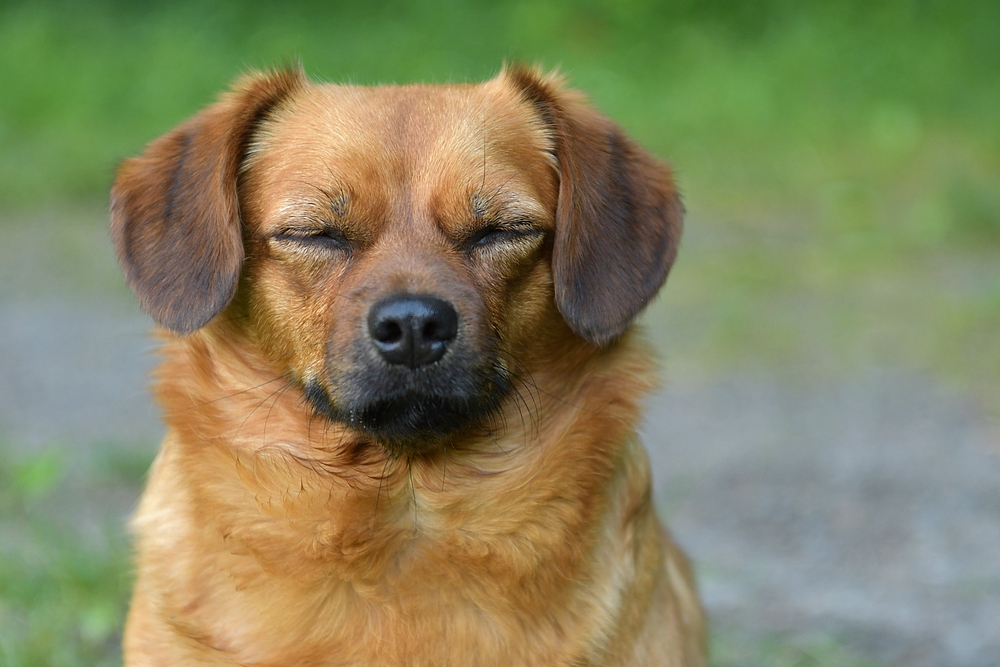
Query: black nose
[(412, 329)]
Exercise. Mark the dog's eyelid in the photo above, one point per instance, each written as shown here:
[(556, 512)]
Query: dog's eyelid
[(325, 236), (510, 223), (304, 230), (309, 227), (516, 224), (500, 232)]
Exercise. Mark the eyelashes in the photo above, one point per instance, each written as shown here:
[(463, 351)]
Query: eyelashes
[(325, 239), (329, 239), (499, 235)]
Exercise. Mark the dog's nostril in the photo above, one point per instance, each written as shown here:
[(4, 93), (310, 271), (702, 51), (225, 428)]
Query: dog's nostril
[(437, 331), (388, 332), (412, 329)]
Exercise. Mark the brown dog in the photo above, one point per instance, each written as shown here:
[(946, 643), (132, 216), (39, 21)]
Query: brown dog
[(398, 381)]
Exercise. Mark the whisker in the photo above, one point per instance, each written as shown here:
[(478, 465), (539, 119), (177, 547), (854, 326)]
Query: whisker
[(535, 385), (273, 403), (524, 428), (285, 376), (250, 414), (378, 496), (326, 427), (489, 434), (309, 425), (535, 409), (413, 495), (444, 471), (532, 428), (340, 443)]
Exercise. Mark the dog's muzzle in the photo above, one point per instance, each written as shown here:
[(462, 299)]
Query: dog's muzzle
[(417, 376)]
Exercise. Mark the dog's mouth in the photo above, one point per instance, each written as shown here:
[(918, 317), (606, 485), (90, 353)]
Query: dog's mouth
[(412, 415)]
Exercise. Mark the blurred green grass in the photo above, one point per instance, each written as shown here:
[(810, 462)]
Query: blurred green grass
[(64, 564), (849, 113), (840, 163)]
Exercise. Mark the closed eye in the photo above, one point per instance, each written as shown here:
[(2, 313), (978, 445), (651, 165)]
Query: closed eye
[(499, 234), (326, 238)]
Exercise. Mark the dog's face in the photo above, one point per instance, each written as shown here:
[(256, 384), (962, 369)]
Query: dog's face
[(399, 242), (396, 240)]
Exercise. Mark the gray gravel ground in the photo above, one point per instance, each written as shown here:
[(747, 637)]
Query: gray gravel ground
[(864, 510), (867, 510)]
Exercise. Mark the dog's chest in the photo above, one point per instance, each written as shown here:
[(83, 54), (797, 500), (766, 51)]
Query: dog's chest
[(418, 592)]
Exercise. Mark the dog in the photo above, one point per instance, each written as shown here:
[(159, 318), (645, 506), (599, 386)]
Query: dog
[(399, 381)]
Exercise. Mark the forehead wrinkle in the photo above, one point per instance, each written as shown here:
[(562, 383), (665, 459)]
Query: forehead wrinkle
[(419, 149)]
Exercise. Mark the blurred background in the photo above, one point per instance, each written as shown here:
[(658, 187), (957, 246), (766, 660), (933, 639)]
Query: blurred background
[(826, 442)]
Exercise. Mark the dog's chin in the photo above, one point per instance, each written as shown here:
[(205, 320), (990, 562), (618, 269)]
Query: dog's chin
[(415, 423), (409, 423)]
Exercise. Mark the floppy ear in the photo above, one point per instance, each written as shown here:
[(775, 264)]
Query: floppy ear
[(175, 217), (618, 217)]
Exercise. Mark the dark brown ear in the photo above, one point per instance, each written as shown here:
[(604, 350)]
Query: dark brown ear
[(175, 217), (619, 217)]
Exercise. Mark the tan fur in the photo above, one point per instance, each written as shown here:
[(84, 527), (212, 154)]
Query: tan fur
[(269, 535)]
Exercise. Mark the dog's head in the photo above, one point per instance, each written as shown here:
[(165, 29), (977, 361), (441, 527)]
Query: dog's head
[(386, 246)]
